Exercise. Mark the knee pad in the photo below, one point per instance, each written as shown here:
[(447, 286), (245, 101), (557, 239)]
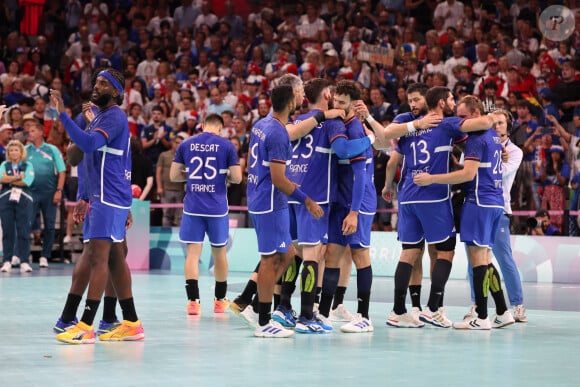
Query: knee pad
[(448, 245), (419, 245)]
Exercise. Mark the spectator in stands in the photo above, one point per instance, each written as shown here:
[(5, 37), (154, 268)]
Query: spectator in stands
[(155, 138), (555, 176), (6, 134), (567, 92), (170, 192)]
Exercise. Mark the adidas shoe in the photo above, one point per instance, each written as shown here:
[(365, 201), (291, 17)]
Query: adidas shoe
[(323, 319), (476, 324), (25, 267), (500, 321), (105, 327), (435, 318), (272, 330), (62, 326), (249, 316), (313, 326), (237, 306), (126, 331), (405, 320), (520, 313), (80, 333), (6, 267), (359, 324), (193, 308), (285, 316), (220, 306), (471, 313), (341, 314), (415, 312)]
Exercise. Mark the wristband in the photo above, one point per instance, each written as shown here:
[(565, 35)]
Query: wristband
[(298, 195), (411, 127), (372, 138), (370, 119), (319, 117), (58, 190)]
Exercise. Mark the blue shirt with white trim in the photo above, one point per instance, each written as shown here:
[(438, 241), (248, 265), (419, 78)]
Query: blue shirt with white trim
[(269, 143), (207, 158), (107, 171), (427, 151), (486, 189)]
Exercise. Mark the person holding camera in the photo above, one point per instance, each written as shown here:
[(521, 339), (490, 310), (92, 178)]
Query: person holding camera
[(540, 224)]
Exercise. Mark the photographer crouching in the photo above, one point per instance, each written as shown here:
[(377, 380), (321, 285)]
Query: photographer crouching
[(540, 224)]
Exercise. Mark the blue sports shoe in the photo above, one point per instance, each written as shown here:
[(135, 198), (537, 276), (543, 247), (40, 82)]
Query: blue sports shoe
[(314, 326), (284, 316), (105, 327), (61, 326)]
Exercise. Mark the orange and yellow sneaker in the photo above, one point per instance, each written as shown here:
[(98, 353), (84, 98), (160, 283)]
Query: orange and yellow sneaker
[(220, 306), (80, 333), (193, 307), (126, 331)]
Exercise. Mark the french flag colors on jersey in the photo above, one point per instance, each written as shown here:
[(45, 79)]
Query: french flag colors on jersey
[(110, 183), (346, 179), (311, 166), (486, 189), (428, 151), (207, 158), (269, 143)]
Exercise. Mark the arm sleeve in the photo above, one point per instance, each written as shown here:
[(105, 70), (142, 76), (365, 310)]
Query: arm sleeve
[(346, 149), (88, 142), (358, 169)]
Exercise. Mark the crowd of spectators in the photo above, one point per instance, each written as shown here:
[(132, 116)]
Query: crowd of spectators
[(185, 59)]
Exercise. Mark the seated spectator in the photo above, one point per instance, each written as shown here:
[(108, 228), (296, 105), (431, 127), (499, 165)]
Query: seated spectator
[(541, 225)]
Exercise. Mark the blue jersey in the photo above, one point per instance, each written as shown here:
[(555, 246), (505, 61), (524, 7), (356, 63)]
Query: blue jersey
[(346, 178), (107, 171), (269, 143), (207, 158), (486, 189), (427, 150), (311, 166)]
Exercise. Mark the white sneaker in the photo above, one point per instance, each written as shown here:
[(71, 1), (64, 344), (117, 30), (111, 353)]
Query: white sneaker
[(43, 262), (323, 319), (500, 321), (341, 314), (6, 267), (471, 313), (415, 312), (473, 324), (405, 320), (25, 267), (249, 316), (520, 313), (359, 324), (435, 318), (15, 260), (66, 239), (273, 330)]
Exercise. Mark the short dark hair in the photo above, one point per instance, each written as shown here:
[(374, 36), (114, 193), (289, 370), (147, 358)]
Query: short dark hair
[(281, 95), (215, 119), (420, 88), (348, 87), (436, 94), (157, 108), (314, 87)]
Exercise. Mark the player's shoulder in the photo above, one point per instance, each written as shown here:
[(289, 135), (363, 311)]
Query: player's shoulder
[(404, 117)]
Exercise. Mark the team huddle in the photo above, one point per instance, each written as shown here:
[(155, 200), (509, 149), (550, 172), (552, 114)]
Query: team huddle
[(311, 198)]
